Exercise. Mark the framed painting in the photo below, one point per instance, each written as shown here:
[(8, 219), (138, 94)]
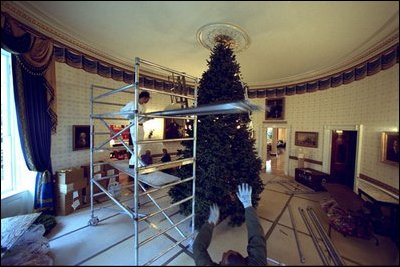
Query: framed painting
[(174, 128), (275, 108), (80, 137), (307, 139), (390, 148)]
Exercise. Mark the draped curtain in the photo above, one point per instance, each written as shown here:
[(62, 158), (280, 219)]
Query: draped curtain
[(33, 77)]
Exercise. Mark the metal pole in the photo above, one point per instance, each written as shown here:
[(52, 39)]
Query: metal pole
[(167, 250), (327, 242), (91, 153), (166, 230), (163, 212), (166, 69), (135, 143), (114, 91), (314, 239), (168, 93), (302, 258), (194, 161), (275, 262)]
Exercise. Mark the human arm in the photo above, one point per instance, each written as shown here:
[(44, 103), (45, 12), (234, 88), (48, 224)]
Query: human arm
[(256, 248), (203, 239), (128, 108), (142, 110)]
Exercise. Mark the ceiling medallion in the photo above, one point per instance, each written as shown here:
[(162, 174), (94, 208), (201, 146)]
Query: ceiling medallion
[(230, 35)]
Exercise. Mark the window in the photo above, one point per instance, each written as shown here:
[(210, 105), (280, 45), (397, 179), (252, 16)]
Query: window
[(13, 164), (7, 184)]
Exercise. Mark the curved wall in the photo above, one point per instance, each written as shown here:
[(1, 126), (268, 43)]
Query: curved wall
[(372, 102)]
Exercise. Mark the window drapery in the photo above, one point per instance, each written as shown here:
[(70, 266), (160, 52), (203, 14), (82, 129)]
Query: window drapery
[(33, 77)]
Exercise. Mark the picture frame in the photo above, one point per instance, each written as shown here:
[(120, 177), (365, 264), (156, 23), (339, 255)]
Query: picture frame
[(306, 139), (174, 128), (390, 148), (275, 108), (80, 137)]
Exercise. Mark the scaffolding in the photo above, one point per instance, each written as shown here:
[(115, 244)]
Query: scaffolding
[(140, 174)]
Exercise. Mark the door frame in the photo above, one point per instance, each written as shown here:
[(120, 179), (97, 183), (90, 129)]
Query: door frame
[(327, 147), (262, 146)]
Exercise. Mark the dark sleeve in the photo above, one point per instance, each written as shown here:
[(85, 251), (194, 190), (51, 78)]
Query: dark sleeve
[(200, 245), (256, 248)]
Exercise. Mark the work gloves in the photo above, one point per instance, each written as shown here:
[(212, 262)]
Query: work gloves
[(244, 194), (214, 214)]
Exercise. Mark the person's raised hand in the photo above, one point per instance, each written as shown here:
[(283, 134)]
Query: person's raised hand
[(244, 194), (214, 214)]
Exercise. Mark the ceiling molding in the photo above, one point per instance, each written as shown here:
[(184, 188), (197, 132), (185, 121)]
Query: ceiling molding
[(350, 63), (27, 14), (33, 19)]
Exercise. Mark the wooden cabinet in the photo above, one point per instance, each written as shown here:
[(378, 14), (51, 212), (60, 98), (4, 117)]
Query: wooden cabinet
[(311, 178)]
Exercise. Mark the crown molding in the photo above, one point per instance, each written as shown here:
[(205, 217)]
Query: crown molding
[(32, 17), (29, 15), (374, 51)]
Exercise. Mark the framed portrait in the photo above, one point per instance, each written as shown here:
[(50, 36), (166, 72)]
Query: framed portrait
[(307, 139), (390, 148), (174, 128), (275, 108), (80, 137)]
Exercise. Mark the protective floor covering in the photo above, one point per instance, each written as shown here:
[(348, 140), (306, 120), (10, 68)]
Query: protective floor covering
[(111, 242)]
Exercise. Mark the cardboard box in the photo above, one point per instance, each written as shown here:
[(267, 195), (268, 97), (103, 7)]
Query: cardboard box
[(66, 188), (96, 169), (69, 176), (110, 170), (103, 183), (67, 202)]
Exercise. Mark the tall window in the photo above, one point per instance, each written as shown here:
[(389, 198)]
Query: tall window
[(7, 183), (13, 166)]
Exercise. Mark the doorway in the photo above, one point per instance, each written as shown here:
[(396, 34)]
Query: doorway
[(343, 157), (276, 150)]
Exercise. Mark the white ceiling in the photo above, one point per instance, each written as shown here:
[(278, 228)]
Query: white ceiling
[(290, 40)]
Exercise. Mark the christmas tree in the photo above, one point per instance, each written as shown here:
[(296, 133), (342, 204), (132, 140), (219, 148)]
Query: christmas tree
[(225, 153)]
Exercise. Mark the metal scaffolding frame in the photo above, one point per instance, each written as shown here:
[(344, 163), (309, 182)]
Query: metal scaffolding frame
[(137, 182)]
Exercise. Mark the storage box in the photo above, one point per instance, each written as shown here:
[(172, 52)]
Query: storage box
[(69, 176), (103, 183), (96, 169), (66, 188), (110, 170), (67, 202)]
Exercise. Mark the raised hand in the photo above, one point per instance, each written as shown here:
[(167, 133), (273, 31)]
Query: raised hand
[(244, 194), (214, 214)]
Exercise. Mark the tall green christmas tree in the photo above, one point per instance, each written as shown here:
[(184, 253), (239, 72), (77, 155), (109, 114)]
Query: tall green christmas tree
[(225, 154)]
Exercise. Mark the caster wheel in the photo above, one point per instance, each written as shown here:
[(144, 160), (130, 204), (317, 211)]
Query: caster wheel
[(93, 221)]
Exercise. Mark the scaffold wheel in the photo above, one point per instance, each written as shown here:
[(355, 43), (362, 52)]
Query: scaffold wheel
[(93, 221)]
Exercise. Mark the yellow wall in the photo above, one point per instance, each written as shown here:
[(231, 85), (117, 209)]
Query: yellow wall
[(73, 108), (372, 102)]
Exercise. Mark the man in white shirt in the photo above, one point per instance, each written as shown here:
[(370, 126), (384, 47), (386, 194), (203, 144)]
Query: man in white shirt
[(144, 97)]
